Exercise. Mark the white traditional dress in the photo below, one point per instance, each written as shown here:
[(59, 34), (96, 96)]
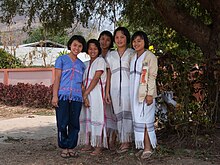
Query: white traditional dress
[(143, 115), (111, 121), (119, 91), (92, 119)]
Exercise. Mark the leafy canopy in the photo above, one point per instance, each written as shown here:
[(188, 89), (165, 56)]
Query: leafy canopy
[(39, 34), (58, 14)]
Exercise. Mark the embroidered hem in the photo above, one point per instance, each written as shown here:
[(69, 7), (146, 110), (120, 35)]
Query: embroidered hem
[(67, 97), (94, 141)]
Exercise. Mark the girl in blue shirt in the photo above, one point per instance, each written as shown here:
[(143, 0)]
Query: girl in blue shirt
[(67, 95)]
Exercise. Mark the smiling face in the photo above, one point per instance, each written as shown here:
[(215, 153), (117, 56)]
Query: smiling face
[(138, 44), (105, 42), (93, 51), (120, 39), (76, 47)]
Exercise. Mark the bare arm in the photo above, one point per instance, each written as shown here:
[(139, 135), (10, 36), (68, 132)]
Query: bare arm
[(85, 100), (93, 83), (108, 85), (56, 86)]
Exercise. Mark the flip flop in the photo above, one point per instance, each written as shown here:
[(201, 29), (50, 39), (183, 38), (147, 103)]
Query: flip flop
[(139, 153), (96, 152), (87, 148), (122, 150), (146, 154), (73, 154), (65, 154), (112, 147)]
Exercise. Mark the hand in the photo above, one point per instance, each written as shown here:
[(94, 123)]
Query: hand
[(55, 101), (149, 99), (85, 95), (108, 98), (86, 102)]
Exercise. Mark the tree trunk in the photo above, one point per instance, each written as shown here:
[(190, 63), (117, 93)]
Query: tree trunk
[(206, 37)]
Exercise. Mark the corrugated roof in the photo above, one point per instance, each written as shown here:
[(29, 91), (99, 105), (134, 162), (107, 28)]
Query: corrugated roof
[(45, 43)]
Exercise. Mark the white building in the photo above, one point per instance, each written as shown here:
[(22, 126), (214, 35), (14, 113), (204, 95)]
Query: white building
[(42, 53)]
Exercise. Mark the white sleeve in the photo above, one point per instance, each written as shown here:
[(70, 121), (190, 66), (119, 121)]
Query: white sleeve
[(108, 60), (101, 65)]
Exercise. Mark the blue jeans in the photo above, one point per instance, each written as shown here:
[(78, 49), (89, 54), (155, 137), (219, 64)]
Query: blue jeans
[(67, 116)]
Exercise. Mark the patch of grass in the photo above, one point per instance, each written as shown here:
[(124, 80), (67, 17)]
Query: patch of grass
[(12, 139), (44, 113)]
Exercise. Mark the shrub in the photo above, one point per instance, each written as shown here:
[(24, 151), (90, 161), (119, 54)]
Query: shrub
[(8, 61), (38, 95), (191, 115)]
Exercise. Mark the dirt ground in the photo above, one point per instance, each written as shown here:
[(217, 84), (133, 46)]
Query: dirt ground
[(44, 151)]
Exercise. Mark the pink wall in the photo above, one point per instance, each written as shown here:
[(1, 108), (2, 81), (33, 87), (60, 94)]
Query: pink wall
[(27, 75)]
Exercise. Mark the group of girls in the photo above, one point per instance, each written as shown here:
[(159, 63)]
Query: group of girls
[(112, 98)]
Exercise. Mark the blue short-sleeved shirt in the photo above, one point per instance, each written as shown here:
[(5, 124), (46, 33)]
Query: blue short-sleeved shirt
[(71, 78)]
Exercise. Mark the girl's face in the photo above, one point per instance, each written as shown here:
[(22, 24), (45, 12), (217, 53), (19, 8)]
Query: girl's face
[(76, 47), (138, 44), (120, 39), (105, 41), (93, 51)]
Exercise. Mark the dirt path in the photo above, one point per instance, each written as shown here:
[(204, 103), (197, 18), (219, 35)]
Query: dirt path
[(28, 127), (30, 139)]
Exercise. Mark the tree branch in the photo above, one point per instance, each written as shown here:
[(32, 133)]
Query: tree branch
[(183, 23), (212, 6), (206, 4)]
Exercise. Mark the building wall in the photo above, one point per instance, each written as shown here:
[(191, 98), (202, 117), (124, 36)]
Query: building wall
[(33, 56), (43, 76)]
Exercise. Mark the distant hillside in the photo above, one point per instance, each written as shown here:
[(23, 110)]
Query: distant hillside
[(16, 30)]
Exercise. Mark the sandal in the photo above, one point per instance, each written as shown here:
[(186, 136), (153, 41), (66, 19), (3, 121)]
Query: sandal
[(87, 148), (97, 151), (146, 154), (73, 154), (65, 154), (139, 153), (112, 146), (122, 150)]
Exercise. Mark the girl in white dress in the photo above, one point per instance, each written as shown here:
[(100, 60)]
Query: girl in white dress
[(92, 118), (143, 72), (117, 90), (106, 42)]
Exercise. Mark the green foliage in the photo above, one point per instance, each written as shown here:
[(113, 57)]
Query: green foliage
[(194, 8), (141, 14), (39, 34), (62, 53), (58, 15), (38, 95), (8, 61), (174, 74)]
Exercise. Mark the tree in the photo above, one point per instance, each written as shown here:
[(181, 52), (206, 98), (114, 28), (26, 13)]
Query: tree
[(197, 20), (58, 15), (39, 34)]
